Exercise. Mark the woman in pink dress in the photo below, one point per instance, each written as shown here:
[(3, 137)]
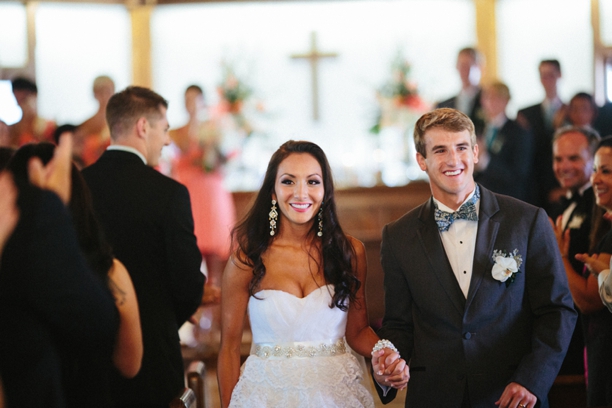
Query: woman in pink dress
[(199, 167)]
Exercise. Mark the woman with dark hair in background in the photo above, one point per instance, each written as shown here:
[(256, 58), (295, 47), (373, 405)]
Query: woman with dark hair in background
[(597, 325), (128, 348), (302, 281)]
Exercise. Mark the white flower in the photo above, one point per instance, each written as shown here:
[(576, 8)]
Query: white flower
[(503, 268), (576, 222), (506, 265)]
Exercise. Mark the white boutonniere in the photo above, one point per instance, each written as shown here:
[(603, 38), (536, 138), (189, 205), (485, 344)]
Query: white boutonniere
[(576, 222), (506, 265)]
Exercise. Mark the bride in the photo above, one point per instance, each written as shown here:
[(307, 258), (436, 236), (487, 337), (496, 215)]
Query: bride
[(301, 280)]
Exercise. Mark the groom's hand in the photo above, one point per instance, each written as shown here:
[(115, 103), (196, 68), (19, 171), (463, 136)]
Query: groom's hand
[(389, 369), (516, 396)]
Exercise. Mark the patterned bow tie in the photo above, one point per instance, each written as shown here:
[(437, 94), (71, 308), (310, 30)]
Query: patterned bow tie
[(466, 212)]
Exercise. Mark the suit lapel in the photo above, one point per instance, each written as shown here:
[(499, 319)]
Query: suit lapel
[(434, 249), (485, 239)]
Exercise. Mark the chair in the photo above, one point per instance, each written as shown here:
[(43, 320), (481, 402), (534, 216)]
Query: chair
[(196, 380), (186, 399)]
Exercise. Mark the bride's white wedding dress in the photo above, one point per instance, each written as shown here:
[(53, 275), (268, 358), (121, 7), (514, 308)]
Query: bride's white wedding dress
[(299, 357)]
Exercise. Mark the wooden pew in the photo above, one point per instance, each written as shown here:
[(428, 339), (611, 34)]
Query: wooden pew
[(186, 399), (196, 380)]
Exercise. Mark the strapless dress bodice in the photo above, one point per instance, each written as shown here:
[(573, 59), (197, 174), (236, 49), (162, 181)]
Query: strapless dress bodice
[(280, 317)]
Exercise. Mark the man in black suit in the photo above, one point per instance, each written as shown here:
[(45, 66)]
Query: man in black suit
[(506, 150), (469, 63), (538, 119), (476, 298), (573, 150), (53, 309), (147, 219)]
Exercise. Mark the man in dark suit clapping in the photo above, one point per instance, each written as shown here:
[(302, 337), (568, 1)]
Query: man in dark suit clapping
[(147, 219)]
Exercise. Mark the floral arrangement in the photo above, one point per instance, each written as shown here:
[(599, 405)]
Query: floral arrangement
[(506, 265), (232, 90), (398, 94)]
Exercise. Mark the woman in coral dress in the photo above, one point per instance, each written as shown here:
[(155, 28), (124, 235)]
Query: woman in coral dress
[(199, 166)]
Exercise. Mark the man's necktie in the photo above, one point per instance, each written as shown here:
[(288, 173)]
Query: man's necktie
[(466, 212)]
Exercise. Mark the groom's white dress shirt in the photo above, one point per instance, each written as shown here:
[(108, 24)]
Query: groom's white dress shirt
[(459, 244)]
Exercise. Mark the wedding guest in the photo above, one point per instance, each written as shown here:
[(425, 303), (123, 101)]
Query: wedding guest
[(5, 155), (581, 111), (302, 281), (31, 127), (70, 129), (199, 166), (468, 101), (506, 149), (598, 323), (89, 374), (604, 279), (538, 119), (5, 138), (603, 121), (92, 137), (573, 150), (147, 220), (9, 213), (52, 306), (475, 294)]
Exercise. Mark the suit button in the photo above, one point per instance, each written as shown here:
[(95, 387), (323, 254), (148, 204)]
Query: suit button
[(460, 377), (467, 335)]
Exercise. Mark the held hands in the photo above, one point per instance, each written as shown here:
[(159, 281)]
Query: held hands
[(516, 396), (389, 369)]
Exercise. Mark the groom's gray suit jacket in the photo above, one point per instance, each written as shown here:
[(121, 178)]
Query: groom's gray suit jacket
[(500, 333)]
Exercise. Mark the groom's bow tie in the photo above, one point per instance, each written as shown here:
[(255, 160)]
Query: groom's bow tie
[(466, 212)]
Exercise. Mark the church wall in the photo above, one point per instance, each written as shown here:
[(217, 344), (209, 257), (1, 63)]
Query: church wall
[(529, 31), (190, 41)]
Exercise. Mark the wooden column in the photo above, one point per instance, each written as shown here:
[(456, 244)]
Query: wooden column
[(599, 55), (29, 68), (140, 15), (486, 37)]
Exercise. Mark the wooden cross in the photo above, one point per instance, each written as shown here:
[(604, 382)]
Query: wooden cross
[(314, 56)]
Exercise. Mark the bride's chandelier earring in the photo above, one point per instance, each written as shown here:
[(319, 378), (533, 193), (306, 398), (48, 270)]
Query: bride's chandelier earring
[(273, 216), (320, 217)]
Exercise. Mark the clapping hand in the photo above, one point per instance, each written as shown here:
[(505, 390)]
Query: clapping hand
[(563, 237), (594, 263), (56, 175), (389, 369)]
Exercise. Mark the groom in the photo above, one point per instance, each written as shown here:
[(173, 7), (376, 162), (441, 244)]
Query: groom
[(475, 291)]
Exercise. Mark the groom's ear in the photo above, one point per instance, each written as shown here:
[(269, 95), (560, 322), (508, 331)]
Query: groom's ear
[(421, 160), (476, 152)]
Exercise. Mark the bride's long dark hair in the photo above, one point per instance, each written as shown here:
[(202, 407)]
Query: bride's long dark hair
[(251, 237)]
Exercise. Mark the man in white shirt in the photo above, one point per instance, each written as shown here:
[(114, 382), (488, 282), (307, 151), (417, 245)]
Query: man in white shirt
[(573, 149), (538, 119), (506, 149), (147, 219), (476, 297), (469, 65)]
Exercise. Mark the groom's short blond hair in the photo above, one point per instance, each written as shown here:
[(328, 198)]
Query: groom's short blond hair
[(445, 118)]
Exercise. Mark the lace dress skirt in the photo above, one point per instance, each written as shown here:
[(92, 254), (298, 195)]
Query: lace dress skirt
[(309, 382)]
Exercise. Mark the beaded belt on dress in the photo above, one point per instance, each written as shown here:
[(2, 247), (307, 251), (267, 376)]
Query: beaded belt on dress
[(300, 349)]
